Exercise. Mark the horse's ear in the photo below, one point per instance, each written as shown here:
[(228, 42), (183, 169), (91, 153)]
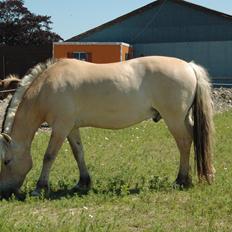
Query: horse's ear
[(6, 137)]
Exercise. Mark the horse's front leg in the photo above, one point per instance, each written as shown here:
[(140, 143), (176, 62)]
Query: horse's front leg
[(74, 139), (55, 143)]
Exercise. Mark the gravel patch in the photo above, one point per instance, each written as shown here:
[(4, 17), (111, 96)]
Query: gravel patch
[(222, 98)]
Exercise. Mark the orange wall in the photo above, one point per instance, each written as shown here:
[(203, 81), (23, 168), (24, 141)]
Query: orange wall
[(99, 53), (126, 50)]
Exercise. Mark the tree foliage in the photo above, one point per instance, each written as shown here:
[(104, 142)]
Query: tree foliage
[(18, 26)]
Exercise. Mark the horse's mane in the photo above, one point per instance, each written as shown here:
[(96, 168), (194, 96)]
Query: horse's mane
[(25, 83)]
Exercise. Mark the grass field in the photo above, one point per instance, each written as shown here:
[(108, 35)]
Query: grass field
[(132, 171)]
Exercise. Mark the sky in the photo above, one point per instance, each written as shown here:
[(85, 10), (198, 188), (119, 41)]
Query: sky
[(72, 17)]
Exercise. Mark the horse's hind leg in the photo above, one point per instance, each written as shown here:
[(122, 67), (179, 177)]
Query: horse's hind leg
[(77, 149), (184, 178), (181, 131)]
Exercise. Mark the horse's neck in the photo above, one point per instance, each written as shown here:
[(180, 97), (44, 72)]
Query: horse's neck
[(26, 123)]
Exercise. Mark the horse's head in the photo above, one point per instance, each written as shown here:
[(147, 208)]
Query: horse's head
[(8, 85), (15, 164)]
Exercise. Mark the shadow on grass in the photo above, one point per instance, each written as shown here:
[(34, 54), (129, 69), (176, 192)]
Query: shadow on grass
[(112, 187), (116, 187)]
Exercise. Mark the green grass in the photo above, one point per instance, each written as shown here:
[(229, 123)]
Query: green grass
[(132, 172)]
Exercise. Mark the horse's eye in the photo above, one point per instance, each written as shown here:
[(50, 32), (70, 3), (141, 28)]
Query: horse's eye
[(6, 162)]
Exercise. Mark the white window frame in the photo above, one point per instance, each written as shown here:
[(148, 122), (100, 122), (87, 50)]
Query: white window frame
[(77, 55)]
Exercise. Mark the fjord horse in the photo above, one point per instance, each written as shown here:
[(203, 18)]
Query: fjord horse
[(69, 94)]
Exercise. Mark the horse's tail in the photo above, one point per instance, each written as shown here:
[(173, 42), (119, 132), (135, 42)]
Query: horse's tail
[(203, 124)]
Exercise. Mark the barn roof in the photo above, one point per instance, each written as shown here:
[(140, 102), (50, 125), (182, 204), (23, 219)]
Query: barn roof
[(145, 8)]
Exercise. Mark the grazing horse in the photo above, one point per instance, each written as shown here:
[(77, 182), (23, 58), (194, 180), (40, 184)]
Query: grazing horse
[(8, 86), (69, 94)]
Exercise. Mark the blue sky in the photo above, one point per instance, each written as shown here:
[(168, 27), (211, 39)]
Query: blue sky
[(72, 17)]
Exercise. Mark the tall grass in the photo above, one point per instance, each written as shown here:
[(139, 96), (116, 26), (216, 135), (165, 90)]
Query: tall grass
[(132, 172)]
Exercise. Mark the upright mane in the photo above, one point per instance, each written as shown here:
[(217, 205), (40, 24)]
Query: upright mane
[(25, 83)]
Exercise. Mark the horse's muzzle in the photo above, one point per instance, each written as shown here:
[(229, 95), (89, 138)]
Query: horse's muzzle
[(7, 194), (6, 190)]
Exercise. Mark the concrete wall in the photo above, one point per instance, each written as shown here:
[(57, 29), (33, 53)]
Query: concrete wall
[(216, 56)]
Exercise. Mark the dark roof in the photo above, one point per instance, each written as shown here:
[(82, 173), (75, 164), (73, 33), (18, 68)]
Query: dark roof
[(145, 8)]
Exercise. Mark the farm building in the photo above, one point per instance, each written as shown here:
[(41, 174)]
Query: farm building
[(164, 27)]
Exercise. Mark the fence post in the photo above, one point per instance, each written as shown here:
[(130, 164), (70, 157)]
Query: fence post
[(3, 67)]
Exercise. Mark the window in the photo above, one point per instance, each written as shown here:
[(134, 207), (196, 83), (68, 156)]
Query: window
[(127, 56), (81, 56)]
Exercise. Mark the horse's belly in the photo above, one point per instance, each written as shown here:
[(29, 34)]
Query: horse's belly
[(113, 120)]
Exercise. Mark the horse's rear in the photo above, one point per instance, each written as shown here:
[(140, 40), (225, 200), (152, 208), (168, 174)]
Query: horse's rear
[(182, 96)]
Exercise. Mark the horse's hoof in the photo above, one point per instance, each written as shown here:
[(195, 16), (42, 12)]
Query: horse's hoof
[(183, 182), (40, 193), (36, 193), (80, 188), (84, 185)]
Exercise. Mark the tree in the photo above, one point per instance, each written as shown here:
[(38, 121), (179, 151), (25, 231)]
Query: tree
[(18, 26)]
